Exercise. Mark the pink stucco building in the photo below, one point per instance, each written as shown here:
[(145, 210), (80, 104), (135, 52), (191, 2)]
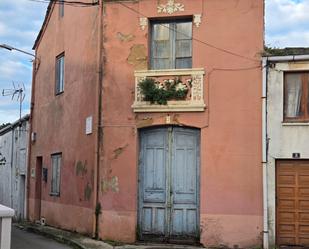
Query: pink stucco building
[(118, 161)]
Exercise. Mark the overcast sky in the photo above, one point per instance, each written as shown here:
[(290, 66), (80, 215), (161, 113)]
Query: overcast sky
[(287, 25)]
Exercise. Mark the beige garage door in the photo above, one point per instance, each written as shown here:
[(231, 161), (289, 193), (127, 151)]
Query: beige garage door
[(292, 199)]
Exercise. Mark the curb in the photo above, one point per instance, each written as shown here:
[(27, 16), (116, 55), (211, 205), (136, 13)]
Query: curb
[(82, 242)]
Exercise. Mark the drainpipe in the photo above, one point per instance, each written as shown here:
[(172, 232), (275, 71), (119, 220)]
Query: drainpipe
[(264, 155), (99, 132), (35, 66)]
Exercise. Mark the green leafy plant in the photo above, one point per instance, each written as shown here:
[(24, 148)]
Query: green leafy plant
[(159, 93)]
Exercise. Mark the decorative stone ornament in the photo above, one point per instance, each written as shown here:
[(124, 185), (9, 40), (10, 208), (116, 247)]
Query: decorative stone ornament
[(171, 7), (143, 22), (197, 19)]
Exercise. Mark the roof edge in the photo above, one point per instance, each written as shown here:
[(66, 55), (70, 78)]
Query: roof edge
[(13, 125), (45, 22)]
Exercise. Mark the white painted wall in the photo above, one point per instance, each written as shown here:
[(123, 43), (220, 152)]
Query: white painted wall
[(13, 146), (6, 215), (284, 138)]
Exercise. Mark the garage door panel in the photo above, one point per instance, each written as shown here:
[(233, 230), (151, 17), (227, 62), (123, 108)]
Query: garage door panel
[(303, 192), (287, 240), (286, 204), (285, 192), (303, 241), (287, 216), (304, 230), (292, 192), (304, 179), (303, 204), (287, 229), (304, 216), (287, 179)]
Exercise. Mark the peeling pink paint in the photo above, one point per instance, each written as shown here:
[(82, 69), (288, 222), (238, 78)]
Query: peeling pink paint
[(231, 176)]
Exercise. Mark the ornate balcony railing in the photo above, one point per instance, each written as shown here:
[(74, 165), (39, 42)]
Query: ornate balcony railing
[(192, 79)]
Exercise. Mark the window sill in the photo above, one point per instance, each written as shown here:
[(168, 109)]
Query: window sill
[(295, 123), (55, 194), (172, 106)]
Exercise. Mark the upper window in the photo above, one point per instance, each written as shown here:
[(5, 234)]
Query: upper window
[(171, 44), (59, 74), (296, 97), (55, 180), (61, 8)]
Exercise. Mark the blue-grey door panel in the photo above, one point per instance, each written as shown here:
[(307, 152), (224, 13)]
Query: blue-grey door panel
[(169, 182), (184, 182), (153, 182)]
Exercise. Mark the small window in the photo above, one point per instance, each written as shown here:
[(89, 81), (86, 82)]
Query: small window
[(296, 97), (56, 168), (59, 74), (171, 44), (61, 8)]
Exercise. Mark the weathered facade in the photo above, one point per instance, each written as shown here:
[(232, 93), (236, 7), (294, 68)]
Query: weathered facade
[(59, 115), (147, 196), (287, 143), (183, 168), (13, 166)]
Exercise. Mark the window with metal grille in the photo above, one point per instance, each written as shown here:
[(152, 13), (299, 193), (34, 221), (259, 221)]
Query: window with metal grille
[(56, 172), (171, 44), (59, 74), (296, 96)]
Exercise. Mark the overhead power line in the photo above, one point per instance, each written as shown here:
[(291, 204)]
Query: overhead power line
[(70, 3), (193, 38)]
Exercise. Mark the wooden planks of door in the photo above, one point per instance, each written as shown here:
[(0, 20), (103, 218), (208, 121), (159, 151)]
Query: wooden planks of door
[(292, 202), (169, 184)]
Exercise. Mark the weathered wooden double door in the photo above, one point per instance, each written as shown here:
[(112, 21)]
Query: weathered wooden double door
[(169, 184)]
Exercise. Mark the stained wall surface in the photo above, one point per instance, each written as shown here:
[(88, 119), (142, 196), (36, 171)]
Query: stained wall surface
[(59, 121), (227, 45)]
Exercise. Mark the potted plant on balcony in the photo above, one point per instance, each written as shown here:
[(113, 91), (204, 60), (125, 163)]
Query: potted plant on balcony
[(157, 92)]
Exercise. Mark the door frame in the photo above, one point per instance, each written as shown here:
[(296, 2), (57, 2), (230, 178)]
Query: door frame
[(38, 187), (154, 238)]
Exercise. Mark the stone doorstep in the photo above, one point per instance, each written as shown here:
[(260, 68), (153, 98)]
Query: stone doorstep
[(82, 242)]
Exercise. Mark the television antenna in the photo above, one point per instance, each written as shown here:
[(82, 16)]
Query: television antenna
[(17, 93)]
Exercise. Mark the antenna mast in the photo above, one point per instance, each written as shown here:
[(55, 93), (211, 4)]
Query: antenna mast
[(17, 93)]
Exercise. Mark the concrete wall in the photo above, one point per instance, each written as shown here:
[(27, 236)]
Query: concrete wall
[(231, 172), (5, 169), (13, 146), (284, 138), (59, 121)]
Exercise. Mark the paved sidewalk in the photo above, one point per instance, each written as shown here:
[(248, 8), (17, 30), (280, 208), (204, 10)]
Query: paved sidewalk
[(82, 242), (26, 240)]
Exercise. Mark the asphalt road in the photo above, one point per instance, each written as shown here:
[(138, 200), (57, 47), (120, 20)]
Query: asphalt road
[(25, 240)]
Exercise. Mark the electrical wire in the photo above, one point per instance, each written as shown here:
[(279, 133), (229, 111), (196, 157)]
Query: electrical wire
[(83, 4), (70, 3), (195, 39)]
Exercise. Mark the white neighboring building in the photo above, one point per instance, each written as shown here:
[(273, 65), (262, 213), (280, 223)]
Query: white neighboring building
[(286, 146), (13, 166)]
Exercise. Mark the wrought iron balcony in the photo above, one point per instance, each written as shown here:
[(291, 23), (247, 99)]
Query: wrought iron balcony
[(190, 79)]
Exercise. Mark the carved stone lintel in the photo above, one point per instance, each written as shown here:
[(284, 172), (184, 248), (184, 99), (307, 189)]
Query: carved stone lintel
[(197, 19), (170, 7), (143, 22)]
